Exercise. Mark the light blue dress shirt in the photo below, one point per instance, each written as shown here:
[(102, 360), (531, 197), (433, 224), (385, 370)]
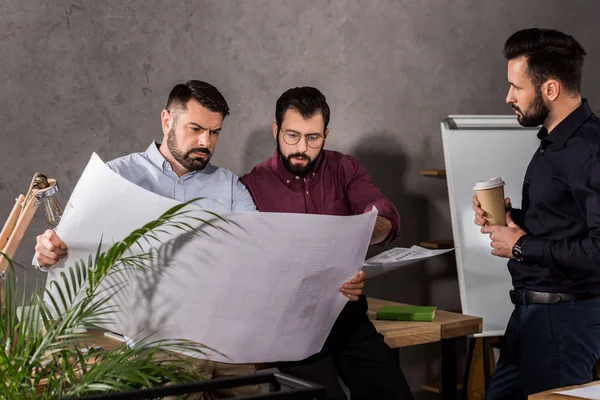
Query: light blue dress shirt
[(219, 188)]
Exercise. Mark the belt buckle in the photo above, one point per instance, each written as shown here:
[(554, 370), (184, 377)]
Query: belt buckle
[(554, 298), (544, 297)]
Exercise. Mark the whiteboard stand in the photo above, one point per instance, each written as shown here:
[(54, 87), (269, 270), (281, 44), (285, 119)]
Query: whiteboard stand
[(477, 148)]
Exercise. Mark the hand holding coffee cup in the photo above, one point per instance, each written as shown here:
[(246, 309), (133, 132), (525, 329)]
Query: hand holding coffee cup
[(480, 219), (490, 196)]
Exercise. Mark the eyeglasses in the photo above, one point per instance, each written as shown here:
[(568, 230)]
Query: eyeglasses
[(313, 140)]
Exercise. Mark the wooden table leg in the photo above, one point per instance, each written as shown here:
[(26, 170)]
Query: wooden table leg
[(449, 369), (486, 362), (464, 395)]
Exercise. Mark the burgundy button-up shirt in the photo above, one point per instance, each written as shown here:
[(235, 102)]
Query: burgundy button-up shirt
[(338, 185)]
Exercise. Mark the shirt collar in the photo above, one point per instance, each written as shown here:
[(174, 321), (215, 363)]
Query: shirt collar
[(155, 156), (286, 176), (568, 126)]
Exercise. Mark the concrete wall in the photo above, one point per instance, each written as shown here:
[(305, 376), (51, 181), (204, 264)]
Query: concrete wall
[(84, 76)]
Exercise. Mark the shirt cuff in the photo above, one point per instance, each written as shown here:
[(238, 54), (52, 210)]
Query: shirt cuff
[(36, 264), (533, 250)]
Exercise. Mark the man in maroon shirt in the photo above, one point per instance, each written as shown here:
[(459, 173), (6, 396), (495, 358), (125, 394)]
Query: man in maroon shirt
[(301, 177)]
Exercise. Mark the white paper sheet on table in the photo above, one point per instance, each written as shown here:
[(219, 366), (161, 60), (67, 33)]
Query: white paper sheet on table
[(398, 257), (266, 290), (586, 392)]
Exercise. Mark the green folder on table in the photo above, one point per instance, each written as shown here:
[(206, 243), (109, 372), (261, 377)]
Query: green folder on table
[(407, 313)]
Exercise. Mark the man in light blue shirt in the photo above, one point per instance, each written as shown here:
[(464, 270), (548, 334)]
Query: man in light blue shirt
[(179, 168)]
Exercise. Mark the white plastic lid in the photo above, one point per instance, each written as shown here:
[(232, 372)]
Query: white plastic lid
[(490, 184)]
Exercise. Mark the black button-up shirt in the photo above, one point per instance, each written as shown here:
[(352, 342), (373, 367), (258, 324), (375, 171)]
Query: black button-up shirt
[(561, 209)]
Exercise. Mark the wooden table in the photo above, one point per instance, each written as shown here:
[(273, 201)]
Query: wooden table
[(446, 328), (550, 395)]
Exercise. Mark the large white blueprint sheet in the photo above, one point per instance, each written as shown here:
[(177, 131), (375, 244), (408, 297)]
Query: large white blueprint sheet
[(266, 290)]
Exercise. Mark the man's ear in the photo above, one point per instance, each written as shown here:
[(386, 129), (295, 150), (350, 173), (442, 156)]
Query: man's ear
[(551, 89), (166, 121), (275, 129), (326, 134)]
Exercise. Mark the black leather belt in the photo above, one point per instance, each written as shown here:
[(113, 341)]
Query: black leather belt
[(531, 297)]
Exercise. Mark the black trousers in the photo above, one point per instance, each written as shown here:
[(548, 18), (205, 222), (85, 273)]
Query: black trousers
[(547, 346), (355, 352)]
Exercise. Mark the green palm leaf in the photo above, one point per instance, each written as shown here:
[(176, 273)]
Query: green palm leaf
[(43, 353)]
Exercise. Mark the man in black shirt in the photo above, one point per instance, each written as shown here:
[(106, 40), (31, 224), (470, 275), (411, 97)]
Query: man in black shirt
[(553, 242)]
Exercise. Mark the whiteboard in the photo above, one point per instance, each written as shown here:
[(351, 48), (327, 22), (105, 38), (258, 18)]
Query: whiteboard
[(477, 148)]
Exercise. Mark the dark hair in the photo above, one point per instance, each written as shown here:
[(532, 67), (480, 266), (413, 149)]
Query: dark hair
[(550, 54), (204, 93), (307, 100)]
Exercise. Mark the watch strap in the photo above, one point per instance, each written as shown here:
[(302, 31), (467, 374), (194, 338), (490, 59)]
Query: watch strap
[(521, 240)]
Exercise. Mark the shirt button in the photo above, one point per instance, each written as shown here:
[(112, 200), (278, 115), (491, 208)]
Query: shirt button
[(307, 192), (541, 151), (528, 182), (288, 181), (179, 182), (297, 177)]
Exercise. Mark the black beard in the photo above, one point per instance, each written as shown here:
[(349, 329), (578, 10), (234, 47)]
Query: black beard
[(296, 169), (538, 114), (191, 164)]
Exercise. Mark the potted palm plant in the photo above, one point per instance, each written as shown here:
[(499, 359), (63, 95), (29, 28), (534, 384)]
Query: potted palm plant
[(46, 354)]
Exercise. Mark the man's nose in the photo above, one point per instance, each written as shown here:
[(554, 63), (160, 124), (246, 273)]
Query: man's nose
[(510, 98), (203, 138), (302, 145)]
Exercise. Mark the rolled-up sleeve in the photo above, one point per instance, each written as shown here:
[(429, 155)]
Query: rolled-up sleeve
[(363, 195)]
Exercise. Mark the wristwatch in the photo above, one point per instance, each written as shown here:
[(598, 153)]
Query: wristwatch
[(517, 250)]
